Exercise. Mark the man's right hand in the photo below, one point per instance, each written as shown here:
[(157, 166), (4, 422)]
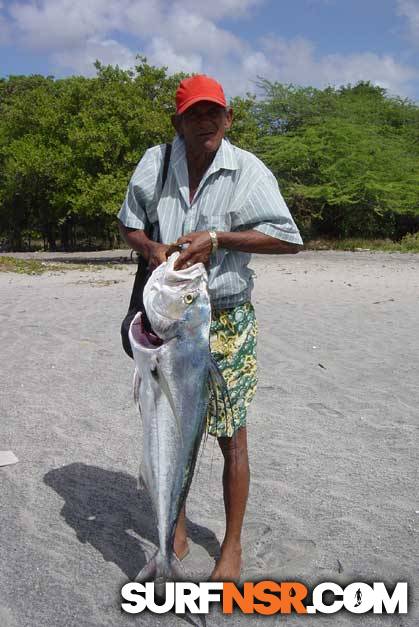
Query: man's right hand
[(153, 252), (156, 254)]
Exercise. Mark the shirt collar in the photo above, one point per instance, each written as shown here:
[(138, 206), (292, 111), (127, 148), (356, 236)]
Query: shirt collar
[(225, 159)]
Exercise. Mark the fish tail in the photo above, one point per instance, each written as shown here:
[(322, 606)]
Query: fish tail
[(148, 572), (160, 568)]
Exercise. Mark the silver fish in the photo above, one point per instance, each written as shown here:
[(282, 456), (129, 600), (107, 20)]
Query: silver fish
[(173, 366)]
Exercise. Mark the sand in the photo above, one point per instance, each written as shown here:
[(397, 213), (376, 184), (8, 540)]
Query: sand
[(332, 437)]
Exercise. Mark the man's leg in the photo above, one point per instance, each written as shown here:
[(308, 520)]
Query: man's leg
[(236, 478), (180, 544)]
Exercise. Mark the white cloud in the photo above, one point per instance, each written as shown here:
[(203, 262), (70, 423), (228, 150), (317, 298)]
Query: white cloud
[(161, 52), (380, 69), (141, 18), (191, 32), (296, 61), (49, 24), (81, 60), (63, 24), (222, 8), (410, 10), (187, 36), (73, 31)]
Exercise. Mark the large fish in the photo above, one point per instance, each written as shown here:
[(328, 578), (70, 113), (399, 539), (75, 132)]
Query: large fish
[(173, 366)]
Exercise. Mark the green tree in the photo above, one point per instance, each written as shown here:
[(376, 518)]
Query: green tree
[(347, 160), (68, 147)]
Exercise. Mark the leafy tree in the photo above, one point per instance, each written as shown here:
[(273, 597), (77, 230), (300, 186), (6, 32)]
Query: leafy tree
[(245, 131), (347, 160), (68, 147)]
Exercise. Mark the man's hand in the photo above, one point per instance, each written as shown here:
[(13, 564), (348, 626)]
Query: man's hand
[(198, 251), (156, 254), (153, 252)]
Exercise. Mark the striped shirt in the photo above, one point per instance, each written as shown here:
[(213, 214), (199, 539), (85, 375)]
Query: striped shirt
[(236, 193)]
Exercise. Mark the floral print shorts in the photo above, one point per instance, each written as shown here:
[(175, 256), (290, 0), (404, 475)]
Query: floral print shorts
[(233, 337)]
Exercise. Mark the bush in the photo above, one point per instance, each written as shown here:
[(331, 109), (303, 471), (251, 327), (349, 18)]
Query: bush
[(410, 242)]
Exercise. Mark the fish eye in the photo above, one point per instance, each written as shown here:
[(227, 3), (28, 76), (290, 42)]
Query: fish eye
[(188, 298)]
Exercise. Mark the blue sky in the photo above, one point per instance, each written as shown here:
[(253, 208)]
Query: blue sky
[(306, 42)]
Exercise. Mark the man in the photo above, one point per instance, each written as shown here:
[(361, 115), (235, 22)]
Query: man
[(224, 204)]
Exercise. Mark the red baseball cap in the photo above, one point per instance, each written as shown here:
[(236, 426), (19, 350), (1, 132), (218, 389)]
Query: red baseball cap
[(196, 88)]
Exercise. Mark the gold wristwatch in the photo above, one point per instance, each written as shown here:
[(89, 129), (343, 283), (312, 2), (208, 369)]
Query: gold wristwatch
[(214, 240)]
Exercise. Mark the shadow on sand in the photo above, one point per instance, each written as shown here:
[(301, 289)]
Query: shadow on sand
[(105, 508)]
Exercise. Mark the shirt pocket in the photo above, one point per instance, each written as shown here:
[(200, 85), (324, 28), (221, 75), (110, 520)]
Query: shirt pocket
[(214, 222)]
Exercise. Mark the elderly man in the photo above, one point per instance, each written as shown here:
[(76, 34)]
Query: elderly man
[(224, 204)]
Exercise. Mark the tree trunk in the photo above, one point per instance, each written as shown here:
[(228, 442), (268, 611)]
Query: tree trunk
[(16, 242), (50, 235), (65, 236)]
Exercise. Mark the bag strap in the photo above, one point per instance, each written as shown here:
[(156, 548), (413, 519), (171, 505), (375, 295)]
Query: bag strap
[(166, 161), (166, 164)]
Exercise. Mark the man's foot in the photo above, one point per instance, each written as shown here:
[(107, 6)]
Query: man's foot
[(228, 566)]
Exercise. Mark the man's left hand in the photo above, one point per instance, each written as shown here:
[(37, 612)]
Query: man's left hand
[(198, 251)]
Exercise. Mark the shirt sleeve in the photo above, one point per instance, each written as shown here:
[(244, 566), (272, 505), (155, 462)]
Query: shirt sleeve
[(265, 210), (141, 190)]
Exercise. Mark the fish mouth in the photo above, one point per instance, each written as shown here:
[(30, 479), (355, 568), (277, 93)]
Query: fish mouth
[(145, 337)]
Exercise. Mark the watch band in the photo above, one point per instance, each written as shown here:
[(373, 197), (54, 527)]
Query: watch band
[(214, 240)]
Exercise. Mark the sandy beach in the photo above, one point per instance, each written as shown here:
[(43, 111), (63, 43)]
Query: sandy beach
[(333, 438)]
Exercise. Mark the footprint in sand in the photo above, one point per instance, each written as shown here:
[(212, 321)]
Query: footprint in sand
[(268, 552), (324, 410), (274, 388)]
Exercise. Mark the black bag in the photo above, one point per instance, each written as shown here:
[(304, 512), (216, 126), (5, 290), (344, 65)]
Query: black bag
[(141, 277)]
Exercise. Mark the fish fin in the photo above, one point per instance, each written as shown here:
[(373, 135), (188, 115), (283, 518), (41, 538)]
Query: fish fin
[(148, 572), (219, 389), (159, 377), (178, 571), (136, 381), (161, 570), (141, 477), (211, 395), (213, 399), (202, 449)]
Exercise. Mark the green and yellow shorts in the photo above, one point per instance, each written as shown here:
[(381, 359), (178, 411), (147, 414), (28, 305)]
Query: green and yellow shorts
[(233, 337)]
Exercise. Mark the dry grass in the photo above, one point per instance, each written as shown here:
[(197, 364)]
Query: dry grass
[(33, 266), (408, 244)]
